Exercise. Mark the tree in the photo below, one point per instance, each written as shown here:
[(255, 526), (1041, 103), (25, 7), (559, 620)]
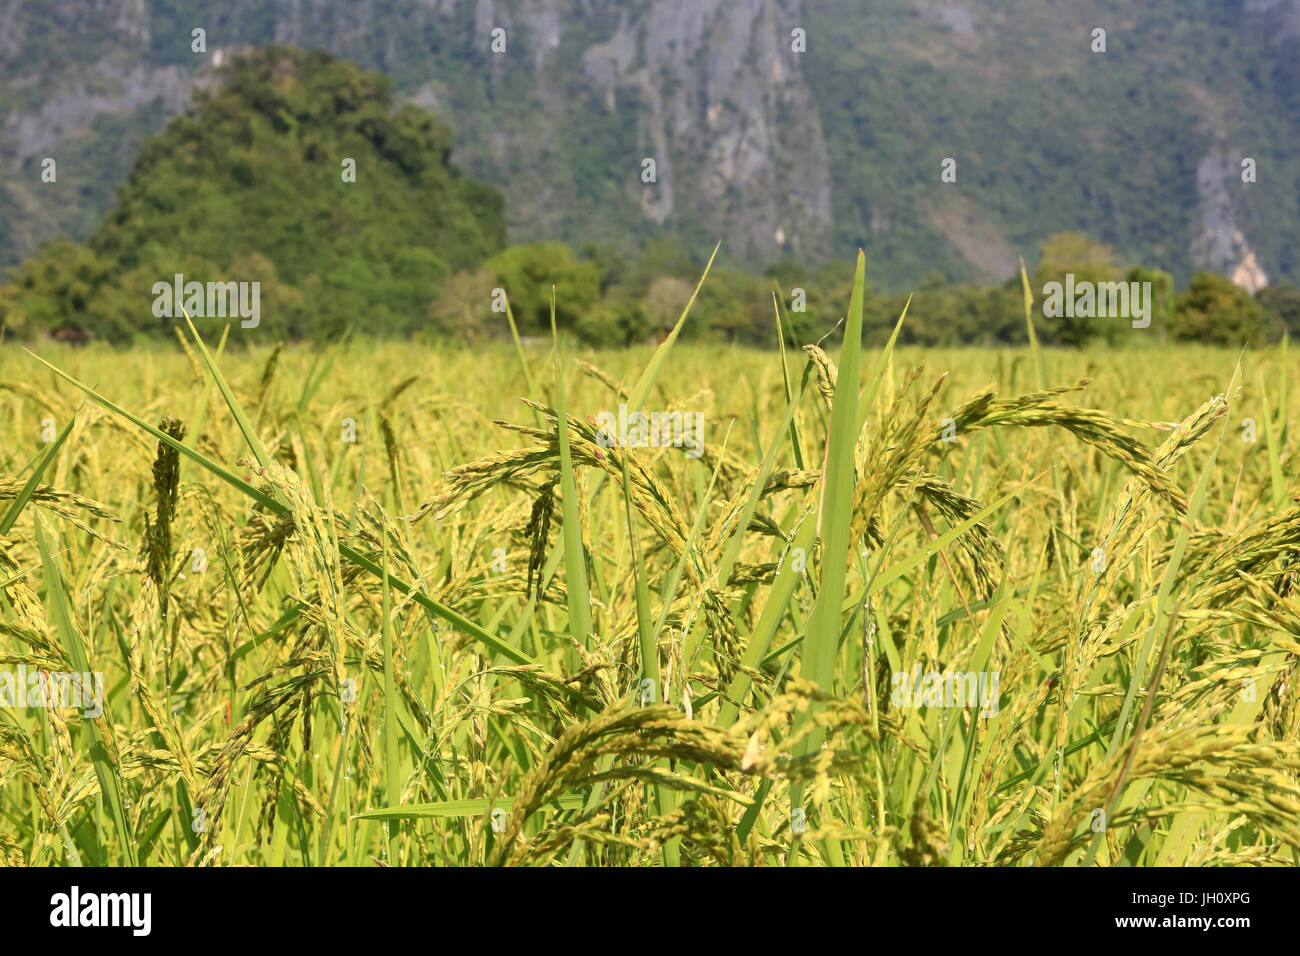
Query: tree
[(297, 171), (1072, 254), (462, 309), (664, 300), (660, 257), (614, 325), (1162, 294), (1215, 312), (528, 272), (51, 290), (1283, 302)]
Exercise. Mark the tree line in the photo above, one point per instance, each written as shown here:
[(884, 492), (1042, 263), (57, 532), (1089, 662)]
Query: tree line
[(298, 172)]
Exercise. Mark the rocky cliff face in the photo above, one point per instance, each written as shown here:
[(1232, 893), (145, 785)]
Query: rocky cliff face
[(778, 153), (717, 98), (1278, 20), (711, 90)]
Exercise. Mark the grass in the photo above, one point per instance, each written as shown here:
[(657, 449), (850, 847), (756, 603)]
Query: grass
[(430, 646)]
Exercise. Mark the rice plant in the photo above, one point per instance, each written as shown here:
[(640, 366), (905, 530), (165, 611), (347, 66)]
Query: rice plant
[(882, 608)]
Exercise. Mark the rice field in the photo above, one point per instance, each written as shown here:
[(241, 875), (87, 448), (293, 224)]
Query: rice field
[(390, 605)]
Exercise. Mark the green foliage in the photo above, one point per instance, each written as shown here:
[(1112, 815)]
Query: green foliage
[(1048, 135), (250, 186), (614, 325), (1072, 253), (1283, 302), (528, 273), (1214, 311), (1162, 292), (808, 317), (351, 683), (461, 313)]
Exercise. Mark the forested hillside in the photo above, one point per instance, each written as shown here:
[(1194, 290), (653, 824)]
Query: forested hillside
[(785, 145)]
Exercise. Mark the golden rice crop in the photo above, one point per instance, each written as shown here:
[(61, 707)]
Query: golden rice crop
[(331, 597)]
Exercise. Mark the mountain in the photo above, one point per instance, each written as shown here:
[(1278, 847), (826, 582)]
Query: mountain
[(295, 176), (781, 154)]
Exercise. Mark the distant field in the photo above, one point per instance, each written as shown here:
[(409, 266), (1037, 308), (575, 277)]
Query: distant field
[(1111, 570)]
